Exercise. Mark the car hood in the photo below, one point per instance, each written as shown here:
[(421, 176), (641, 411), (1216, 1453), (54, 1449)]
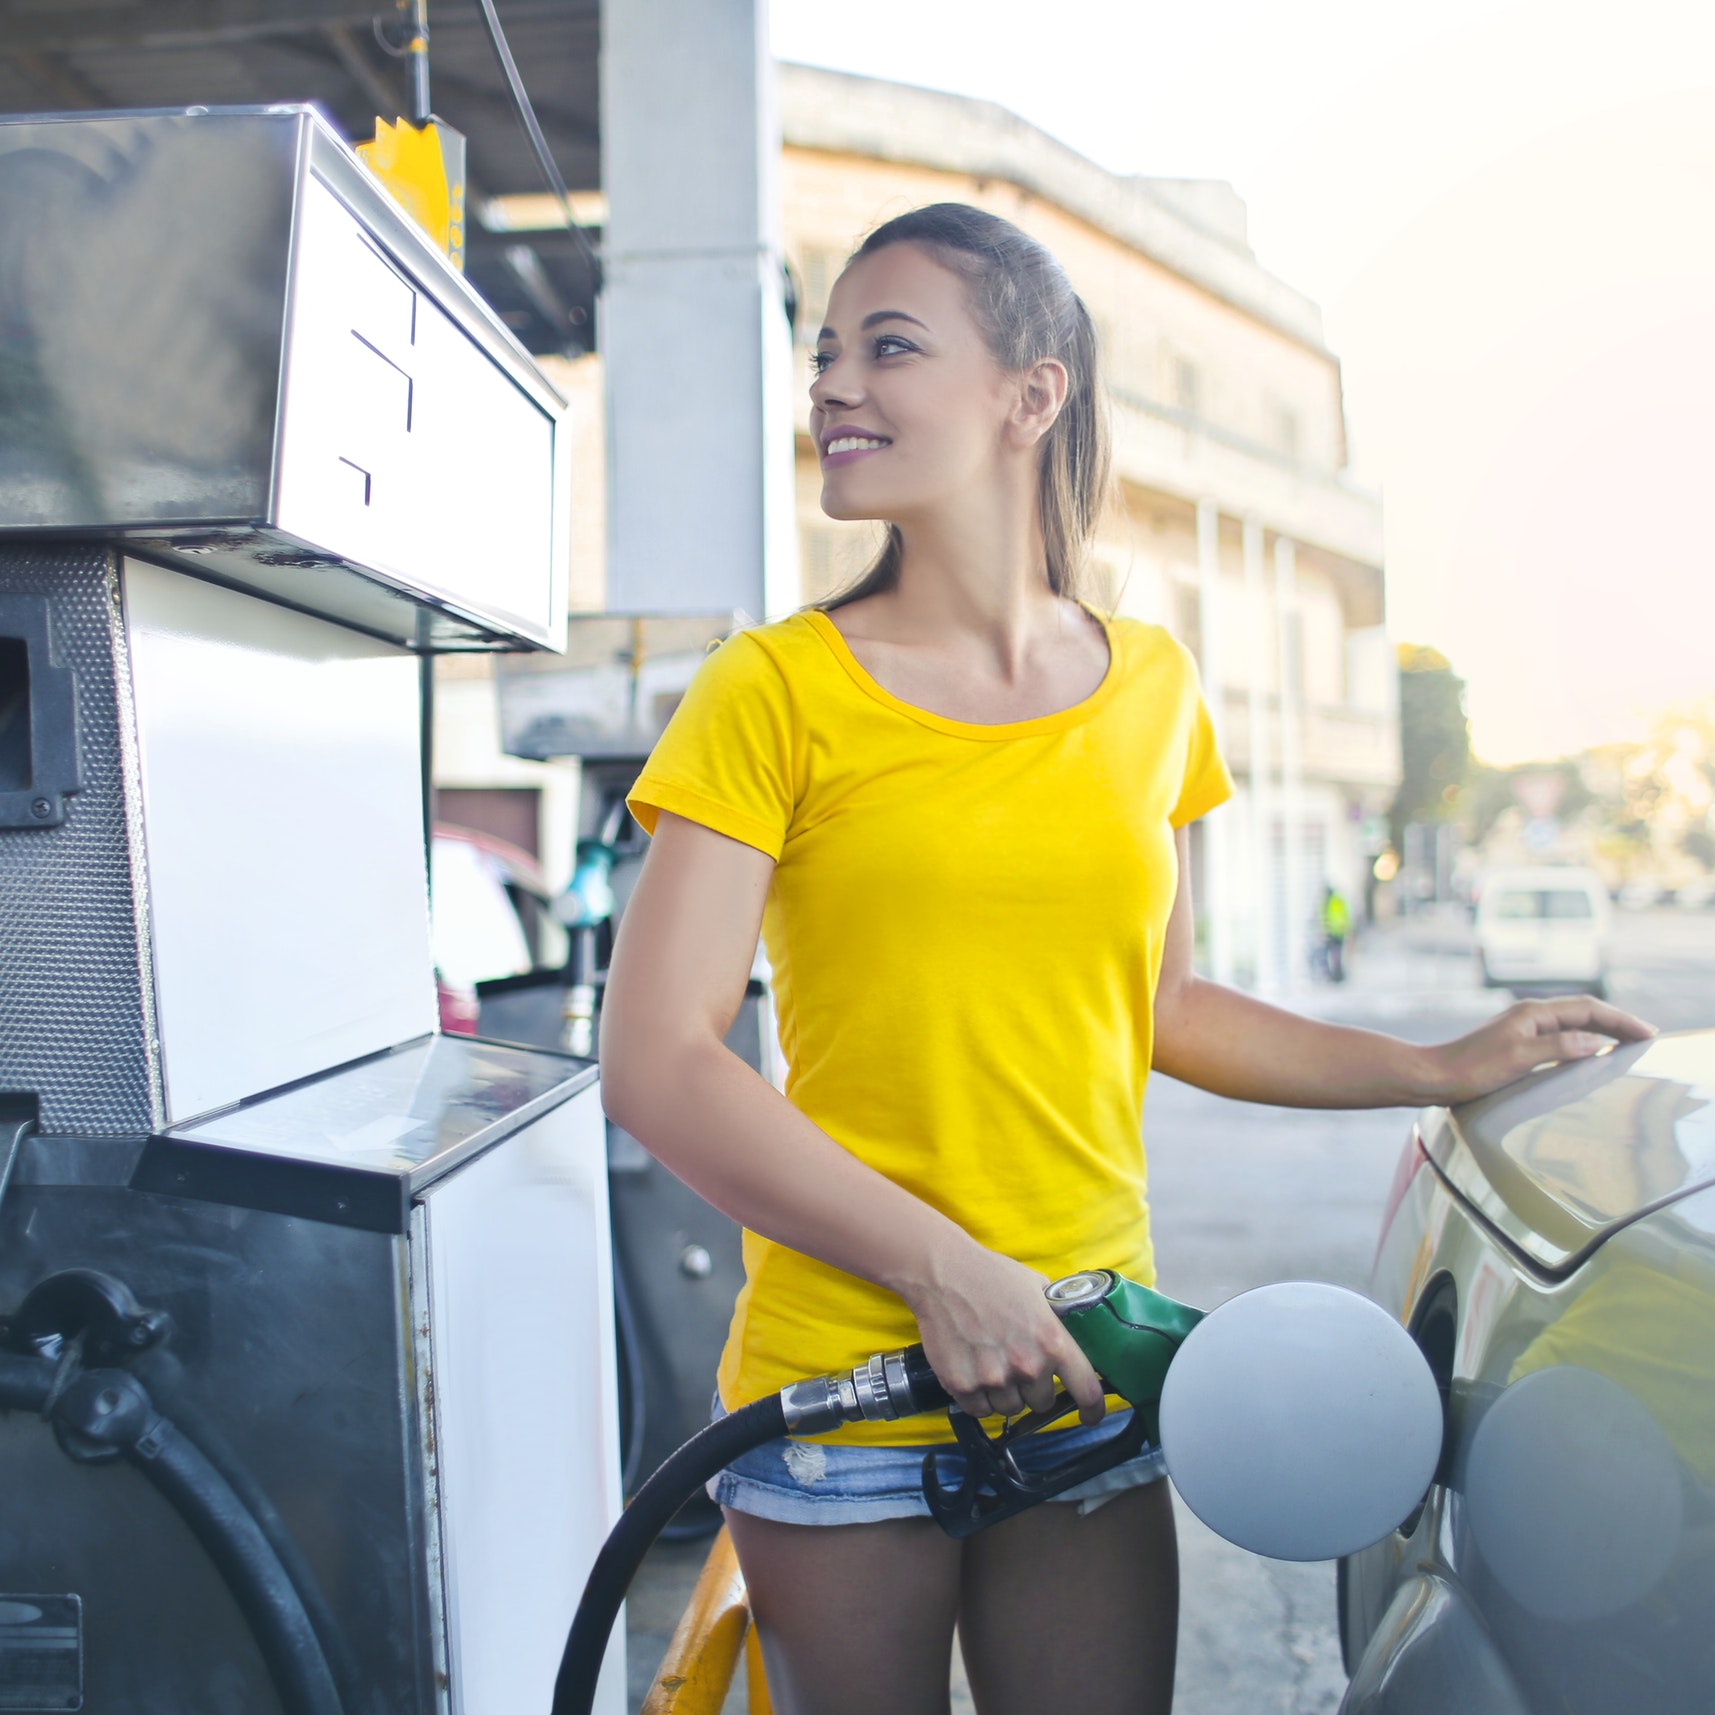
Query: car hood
[(1560, 1160)]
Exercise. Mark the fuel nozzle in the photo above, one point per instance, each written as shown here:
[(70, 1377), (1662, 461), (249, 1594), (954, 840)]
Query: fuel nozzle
[(1128, 1332), (888, 1385)]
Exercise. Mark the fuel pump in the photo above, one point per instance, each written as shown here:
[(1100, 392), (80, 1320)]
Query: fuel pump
[(307, 1372), (1299, 1421)]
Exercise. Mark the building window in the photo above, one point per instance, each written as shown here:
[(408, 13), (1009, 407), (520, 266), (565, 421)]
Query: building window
[(1187, 386), (510, 813), (1292, 653), (1286, 432), (1188, 617)]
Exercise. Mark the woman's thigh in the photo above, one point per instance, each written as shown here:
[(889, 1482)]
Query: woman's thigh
[(1062, 1612), (854, 1618)]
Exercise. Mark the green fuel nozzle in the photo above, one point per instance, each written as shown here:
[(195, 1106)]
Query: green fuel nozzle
[(1128, 1332)]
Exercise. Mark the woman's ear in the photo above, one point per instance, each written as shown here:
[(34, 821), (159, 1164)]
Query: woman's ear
[(1041, 395)]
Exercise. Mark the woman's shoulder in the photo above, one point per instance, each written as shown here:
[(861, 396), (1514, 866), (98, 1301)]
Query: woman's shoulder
[(790, 646), (770, 655), (1147, 648)]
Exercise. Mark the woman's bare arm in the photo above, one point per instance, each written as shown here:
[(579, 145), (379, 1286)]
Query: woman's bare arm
[(1238, 1046), (680, 965)]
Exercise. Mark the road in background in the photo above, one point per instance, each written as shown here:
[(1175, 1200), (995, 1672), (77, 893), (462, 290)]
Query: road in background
[(1243, 1195)]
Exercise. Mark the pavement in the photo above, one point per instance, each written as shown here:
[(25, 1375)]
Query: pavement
[(1242, 1195)]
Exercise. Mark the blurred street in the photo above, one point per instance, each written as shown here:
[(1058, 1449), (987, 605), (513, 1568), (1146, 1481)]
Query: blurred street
[(1244, 1195)]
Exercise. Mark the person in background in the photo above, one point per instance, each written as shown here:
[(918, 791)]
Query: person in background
[(1336, 931), (954, 799)]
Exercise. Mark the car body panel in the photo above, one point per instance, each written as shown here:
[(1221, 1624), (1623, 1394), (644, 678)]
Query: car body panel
[(1573, 1518), (1430, 1655), (1561, 1160)]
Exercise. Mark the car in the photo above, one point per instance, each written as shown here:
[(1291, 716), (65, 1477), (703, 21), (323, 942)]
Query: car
[(1552, 1250), (500, 952), (1542, 927), (1641, 893), (1698, 895)]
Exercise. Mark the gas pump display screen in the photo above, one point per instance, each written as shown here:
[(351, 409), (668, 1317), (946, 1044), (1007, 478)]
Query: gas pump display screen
[(353, 1145)]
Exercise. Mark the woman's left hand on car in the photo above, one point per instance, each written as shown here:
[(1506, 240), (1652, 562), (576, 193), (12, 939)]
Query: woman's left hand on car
[(1530, 1034)]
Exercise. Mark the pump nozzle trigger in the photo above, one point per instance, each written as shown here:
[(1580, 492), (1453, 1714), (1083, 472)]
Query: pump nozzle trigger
[(995, 1488)]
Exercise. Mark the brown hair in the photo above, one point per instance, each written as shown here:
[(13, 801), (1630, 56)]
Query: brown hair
[(1028, 313)]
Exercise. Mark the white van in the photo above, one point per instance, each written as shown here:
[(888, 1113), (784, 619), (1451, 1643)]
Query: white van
[(1543, 926)]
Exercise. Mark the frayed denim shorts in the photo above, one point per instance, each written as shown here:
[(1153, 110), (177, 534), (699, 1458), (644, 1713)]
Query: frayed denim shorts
[(822, 1482)]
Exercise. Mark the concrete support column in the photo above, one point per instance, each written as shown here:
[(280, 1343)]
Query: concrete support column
[(1217, 878), (1291, 760), (695, 344), (1261, 793)]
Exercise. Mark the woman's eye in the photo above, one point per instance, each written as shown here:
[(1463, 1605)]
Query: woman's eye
[(891, 345), (819, 360)]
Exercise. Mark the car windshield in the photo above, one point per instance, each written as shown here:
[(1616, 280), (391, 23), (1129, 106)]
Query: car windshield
[(1519, 904)]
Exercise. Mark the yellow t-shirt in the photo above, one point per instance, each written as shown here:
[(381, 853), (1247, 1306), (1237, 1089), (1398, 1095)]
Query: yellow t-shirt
[(965, 924)]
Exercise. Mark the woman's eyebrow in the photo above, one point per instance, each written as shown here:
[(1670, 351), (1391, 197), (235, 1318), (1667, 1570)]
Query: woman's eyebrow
[(872, 319)]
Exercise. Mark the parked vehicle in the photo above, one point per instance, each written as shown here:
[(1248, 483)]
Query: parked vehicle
[(1552, 1249), (494, 935), (1545, 927)]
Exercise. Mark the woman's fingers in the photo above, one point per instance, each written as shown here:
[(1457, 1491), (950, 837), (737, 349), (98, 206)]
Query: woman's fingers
[(1574, 1011), (1078, 1377), (1534, 1033), (995, 1344)]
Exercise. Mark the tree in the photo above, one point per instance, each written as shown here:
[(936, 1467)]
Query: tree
[(1489, 792), (1434, 740)]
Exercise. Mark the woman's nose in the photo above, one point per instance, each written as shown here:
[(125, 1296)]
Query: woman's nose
[(834, 385)]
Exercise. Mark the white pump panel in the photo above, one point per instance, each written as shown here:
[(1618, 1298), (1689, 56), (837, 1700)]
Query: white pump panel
[(381, 458), (283, 818)]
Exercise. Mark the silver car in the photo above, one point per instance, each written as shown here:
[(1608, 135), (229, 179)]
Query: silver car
[(1552, 1248)]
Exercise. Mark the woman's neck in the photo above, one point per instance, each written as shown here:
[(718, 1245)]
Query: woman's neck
[(977, 571)]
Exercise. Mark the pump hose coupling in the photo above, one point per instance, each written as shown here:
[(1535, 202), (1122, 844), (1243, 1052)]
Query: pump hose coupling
[(888, 1385)]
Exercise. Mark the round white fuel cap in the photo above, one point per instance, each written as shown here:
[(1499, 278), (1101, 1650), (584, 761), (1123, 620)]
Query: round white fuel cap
[(1300, 1421)]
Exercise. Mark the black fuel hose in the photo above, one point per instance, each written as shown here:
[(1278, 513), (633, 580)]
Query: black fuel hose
[(890, 1385), (25, 1383), (162, 1375), (103, 1413), (235, 1543), (709, 1451)]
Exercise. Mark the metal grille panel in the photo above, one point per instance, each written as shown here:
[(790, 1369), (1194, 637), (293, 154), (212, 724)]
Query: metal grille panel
[(76, 998)]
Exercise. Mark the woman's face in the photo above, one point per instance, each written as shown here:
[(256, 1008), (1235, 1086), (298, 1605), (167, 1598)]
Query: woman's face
[(908, 407)]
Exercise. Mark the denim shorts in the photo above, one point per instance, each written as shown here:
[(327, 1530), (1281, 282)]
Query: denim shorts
[(823, 1482)]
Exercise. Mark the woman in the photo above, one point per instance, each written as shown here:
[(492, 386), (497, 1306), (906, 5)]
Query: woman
[(954, 801)]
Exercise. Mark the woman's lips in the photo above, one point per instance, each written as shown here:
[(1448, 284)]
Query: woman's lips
[(845, 449)]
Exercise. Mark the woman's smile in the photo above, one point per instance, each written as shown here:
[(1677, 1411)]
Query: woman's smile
[(842, 446)]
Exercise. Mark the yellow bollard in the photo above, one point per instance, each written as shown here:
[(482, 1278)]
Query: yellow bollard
[(696, 1672), (756, 1681)]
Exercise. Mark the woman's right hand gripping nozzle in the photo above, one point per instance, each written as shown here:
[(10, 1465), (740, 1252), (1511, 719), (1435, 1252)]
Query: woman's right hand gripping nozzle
[(994, 1341)]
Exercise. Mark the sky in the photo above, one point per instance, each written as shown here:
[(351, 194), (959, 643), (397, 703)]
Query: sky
[(1506, 209)]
